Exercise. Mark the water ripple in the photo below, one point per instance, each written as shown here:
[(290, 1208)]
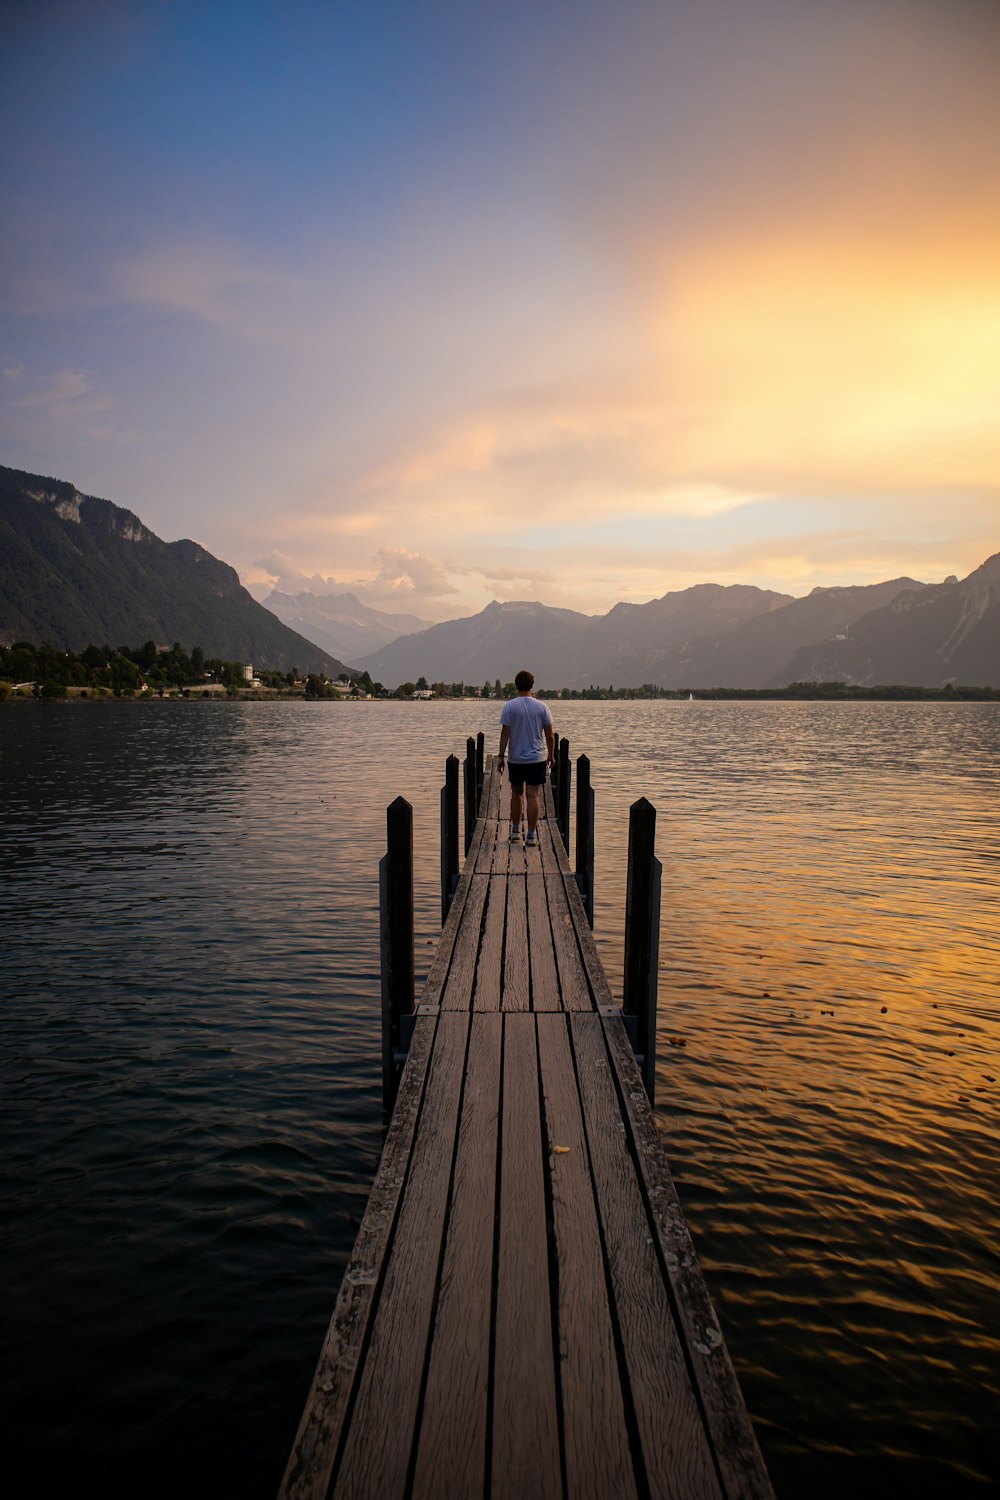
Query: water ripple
[(190, 1063)]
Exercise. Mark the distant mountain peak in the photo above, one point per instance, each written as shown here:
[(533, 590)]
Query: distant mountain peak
[(340, 622)]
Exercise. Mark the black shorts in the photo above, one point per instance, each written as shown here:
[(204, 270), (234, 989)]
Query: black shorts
[(526, 772)]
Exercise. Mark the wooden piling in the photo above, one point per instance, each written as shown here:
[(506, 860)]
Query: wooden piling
[(480, 765), (563, 792), (469, 790), (449, 834), (585, 835), (395, 875), (642, 936)]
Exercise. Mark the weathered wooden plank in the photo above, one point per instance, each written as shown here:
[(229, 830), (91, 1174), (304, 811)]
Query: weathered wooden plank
[(517, 861), (489, 974), (430, 993), (548, 800), (458, 990), (486, 846), (525, 1451), (490, 804), (516, 972), (598, 1453), (380, 1438), (574, 987), (452, 1443), (734, 1443), (676, 1454), (310, 1466), (597, 978), (545, 993), (553, 844), (501, 854)]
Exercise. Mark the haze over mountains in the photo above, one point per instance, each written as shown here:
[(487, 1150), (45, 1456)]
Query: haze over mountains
[(76, 570), (340, 623), (901, 632)]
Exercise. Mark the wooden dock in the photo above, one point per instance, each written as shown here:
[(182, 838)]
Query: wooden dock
[(523, 1314)]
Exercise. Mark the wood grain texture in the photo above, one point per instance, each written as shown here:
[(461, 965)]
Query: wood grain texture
[(573, 983), (525, 1454), (487, 844), (516, 973), (734, 1443), (596, 976), (552, 843), (548, 800), (452, 1442), (489, 974), (457, 993), (500, 862), (598, 1454), (492, 789), (310, 1466), (545, 994), (431, 990), (380, 1438), (675, 1450)]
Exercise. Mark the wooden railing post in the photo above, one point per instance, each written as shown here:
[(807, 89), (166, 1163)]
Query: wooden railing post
[(642, 936), (469, 791), (395, 885), (449, 834), (480, 767), (585, 835), (562, 800), (555, 770)]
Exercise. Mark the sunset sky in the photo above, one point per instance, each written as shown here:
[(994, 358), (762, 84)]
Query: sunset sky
[(578, 302)]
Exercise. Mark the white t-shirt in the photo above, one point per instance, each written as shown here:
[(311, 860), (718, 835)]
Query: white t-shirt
[(526, 719)]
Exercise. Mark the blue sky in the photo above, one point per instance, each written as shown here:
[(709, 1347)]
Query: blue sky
[(577, 302)]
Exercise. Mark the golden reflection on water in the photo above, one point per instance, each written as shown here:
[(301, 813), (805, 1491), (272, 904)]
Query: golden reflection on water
[(830, 955)]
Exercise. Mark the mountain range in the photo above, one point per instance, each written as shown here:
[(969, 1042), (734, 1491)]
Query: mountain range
[(340, 623), (76, 570), (897, 632)]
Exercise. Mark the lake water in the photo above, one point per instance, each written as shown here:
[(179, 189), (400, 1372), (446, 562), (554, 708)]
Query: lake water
[(191, 1088)]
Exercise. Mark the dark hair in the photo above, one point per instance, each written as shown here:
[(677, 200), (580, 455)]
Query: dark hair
[(524, 681)]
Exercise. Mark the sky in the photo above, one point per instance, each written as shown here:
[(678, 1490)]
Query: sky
[(447, 302)]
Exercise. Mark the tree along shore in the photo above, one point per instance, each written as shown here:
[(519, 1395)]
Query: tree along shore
[(158, 671)]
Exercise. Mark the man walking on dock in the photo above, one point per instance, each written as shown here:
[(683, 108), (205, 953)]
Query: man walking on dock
[(526, 726)]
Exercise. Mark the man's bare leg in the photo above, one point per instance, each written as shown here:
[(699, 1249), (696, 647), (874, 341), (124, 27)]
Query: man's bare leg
[(515, 809), (532, 795)]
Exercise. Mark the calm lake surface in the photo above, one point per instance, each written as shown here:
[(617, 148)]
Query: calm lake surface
[(191, 1091)]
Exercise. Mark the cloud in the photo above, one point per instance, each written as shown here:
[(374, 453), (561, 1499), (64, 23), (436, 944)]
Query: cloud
[(525, 574), (65, 386), (221, 283), (719, 293), (399, 580)]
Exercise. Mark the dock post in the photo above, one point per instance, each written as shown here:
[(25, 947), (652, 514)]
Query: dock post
[(480, 767), (469, 791), (562, 801), (395, 888), (585, 835), (449, 834), (642, 936)]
